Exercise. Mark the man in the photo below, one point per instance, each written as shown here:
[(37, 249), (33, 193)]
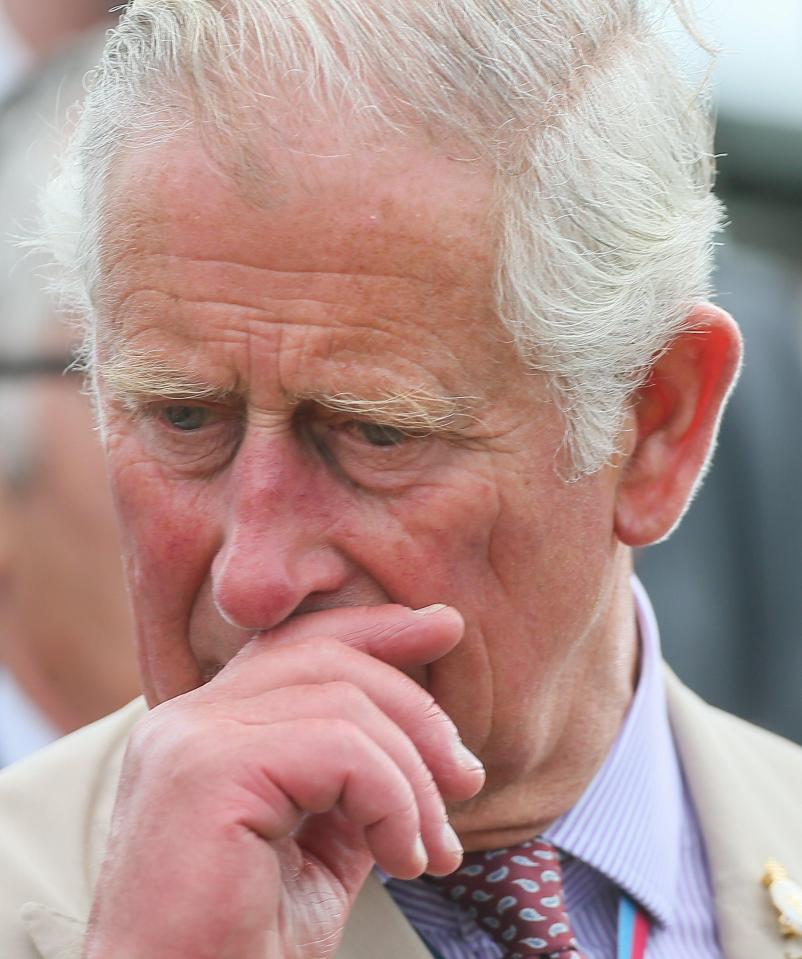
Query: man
[(397, 328), (65, 631)]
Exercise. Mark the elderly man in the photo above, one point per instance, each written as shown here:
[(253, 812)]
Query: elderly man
[(395, 316)]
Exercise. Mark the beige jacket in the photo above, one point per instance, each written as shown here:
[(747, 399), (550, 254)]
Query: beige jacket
[(55, 809)]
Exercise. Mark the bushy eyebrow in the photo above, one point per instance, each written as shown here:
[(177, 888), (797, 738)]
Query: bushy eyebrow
[(413, 410), (138, 376)]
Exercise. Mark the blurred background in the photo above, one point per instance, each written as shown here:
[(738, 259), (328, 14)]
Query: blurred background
[(727, 586), (66, 655)]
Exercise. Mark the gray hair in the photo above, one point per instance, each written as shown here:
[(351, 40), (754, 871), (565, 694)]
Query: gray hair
[(600, 149), (31, 139)]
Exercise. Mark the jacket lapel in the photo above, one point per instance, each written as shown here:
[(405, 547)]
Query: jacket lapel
[(378, 927), (376, 924), (375, 918), (746, 805), (55, 935)]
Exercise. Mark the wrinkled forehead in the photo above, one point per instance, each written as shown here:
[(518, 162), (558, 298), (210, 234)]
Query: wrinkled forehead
[(433, 208), (395, 243)]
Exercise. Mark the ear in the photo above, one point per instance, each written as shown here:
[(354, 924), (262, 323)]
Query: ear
[(672, 425)]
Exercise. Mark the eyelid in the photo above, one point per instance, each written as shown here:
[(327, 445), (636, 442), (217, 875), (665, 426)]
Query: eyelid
[(396, 436), (150, 405), (336, 418)]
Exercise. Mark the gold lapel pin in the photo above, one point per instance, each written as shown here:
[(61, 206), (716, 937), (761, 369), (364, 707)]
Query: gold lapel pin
[(786, 896)]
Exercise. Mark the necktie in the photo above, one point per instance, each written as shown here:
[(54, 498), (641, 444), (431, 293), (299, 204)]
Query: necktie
[(516, 896)]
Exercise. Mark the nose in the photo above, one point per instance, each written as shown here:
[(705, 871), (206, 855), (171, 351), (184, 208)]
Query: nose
[(277, 552)]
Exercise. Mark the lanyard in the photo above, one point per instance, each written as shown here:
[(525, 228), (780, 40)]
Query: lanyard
[(633, 930)]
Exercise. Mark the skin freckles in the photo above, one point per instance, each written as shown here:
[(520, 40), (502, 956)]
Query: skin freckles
[(252, 503)]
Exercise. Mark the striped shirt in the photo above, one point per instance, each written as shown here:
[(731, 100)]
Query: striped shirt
[(633, 830)]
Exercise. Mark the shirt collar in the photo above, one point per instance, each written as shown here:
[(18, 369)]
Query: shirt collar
[(628, 822)]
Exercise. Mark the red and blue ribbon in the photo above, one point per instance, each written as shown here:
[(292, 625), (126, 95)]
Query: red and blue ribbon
[(633, 930)]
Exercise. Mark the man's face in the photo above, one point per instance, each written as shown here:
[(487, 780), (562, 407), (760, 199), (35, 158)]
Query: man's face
[(368, 434)]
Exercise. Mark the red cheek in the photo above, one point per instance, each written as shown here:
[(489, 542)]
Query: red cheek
[(168, 531)]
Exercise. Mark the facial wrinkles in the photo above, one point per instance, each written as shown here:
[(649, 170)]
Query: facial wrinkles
[(282, 308), (297, 352), (360, 324), (393, 522)]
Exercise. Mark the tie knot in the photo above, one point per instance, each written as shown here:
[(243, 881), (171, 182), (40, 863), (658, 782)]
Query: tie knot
[(516, 896)]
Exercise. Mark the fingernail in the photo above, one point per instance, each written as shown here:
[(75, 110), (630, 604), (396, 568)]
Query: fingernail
[(466, 759), (430, 610), (420, 854), (451, 840)]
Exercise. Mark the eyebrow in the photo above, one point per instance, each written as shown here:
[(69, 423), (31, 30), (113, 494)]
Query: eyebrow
[(135, 376), (415, 410)]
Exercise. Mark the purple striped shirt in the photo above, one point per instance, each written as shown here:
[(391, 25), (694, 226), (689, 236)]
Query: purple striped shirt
[(634, 830)]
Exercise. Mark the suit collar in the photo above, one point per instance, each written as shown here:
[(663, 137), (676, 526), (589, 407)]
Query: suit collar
[(742, 815)]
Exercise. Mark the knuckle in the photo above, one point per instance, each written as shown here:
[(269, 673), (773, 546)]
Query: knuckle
[(435, 718), (341, 729), (406, 809), (322, 647), (427, 786), (340, 692), (400, 803)]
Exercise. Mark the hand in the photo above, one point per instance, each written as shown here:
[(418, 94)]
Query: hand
[(252, 809)]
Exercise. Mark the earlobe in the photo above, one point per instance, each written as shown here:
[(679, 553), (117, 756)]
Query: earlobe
[(673, 422)]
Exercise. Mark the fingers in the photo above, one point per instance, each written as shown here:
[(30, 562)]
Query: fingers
[(396, 635), (396, 756), (456, 771), (317, 764), (425, 763)]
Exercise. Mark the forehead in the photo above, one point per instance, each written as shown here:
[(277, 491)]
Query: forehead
[(365, 245), (347, 210), (370, 264)]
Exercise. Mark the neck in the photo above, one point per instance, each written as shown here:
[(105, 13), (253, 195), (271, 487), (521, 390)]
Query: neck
[(602, 684)]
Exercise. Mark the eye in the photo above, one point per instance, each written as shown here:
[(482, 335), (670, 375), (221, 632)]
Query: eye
[(186, 418), (377, 435)]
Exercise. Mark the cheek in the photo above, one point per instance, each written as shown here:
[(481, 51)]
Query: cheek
[(549, 552), (549, 573), (525, 561), (167, 552), (429, 545)]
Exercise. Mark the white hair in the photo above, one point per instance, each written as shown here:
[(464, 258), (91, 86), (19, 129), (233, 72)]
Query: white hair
[(600, 150)]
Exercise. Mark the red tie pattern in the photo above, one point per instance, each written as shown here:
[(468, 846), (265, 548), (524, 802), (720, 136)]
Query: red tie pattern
[(516, 896)]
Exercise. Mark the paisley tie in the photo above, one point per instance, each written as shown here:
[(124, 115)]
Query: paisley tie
[(516, 896)]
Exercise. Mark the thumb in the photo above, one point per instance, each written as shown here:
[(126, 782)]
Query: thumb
[(394, 634)]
